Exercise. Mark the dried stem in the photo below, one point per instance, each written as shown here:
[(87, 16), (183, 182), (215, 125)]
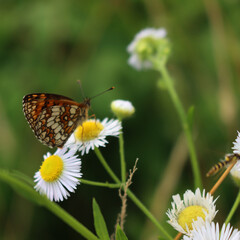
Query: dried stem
[(178, 236), (220, 180), (122, 215)]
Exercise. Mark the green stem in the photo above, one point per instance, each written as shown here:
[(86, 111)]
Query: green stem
[(71, 221), (100, 184), (148, 214), (106, 166), (19, 183), (122, 157), (131, 195), (185, 124), (234, 208)]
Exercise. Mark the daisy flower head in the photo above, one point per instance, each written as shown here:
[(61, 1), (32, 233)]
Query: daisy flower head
[(92, 133), (236, 144), (192, 211), (58, 175), (122, 108), (210, 231), (148, 44)]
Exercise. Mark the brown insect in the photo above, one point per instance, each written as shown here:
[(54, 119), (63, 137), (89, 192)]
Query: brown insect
[(53, 118)]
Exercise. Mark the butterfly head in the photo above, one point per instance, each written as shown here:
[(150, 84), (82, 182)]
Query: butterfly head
[(87, 102)]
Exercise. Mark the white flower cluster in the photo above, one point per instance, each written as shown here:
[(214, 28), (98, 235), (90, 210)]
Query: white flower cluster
[(60, 172), (211, 231), (146, 45), (193, 216)]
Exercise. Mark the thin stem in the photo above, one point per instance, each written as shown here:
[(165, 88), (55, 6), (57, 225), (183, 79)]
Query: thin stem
[(100, 184), (22, 187), (71, 221), (106, 166), (234, 208), (178, 236), (131, 195), (220, 180), (148, 213), (122, 157), (185, 124)]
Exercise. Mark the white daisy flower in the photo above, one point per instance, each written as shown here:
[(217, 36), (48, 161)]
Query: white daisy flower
[(58, 174), (210, 231), (236, 144), (93, 133), (146, 44), (192, 211), (122, 108)]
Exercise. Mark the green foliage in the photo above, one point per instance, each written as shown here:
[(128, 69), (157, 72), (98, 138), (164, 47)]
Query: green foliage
[(99, 222), (47, 45), (16, 182), (120, 235), (22, 188), (190, 116)]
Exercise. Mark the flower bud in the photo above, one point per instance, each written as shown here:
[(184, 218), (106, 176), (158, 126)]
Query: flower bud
[(122, 109)]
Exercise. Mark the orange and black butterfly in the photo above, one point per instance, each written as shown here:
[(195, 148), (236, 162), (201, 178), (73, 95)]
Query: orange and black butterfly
[(53, 118), (229, 158)]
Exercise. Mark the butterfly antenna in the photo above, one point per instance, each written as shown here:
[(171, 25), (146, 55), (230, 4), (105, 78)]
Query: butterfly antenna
[(102, 92), (80, 84)]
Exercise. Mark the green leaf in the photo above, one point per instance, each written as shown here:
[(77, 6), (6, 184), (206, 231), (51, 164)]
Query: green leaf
[(22, 184), (120, 235), (190, 115), (22, 188), (99, 222), (161, 238), (22, 177)]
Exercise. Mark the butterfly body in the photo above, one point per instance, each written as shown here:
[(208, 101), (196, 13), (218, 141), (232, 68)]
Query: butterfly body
[(53, 118)]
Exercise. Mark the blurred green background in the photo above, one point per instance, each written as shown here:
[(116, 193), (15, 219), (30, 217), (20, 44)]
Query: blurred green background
[(45, 46)]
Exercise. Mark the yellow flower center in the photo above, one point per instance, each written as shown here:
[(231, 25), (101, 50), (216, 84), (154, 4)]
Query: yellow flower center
[(88, 130), (51, 168), (190, 214)]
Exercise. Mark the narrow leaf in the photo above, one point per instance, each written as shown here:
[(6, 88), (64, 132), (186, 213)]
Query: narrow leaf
[(99, 222), (120, 235), (22, 177), (22, 188), (19, 183), (190, 115), (161, 238)]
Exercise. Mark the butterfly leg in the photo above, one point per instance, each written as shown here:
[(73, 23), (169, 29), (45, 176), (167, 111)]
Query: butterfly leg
[(82, 134), (92, 116)]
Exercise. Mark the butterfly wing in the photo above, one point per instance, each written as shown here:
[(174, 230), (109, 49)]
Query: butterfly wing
[(33, 104), (53, 117)]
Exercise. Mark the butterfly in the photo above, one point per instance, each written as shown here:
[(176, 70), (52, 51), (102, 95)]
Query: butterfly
[(53, 118)]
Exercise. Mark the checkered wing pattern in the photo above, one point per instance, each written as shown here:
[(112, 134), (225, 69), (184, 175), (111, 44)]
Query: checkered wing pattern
[(53, 118)]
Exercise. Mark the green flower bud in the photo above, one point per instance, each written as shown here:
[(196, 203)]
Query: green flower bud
[(122, 109)]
